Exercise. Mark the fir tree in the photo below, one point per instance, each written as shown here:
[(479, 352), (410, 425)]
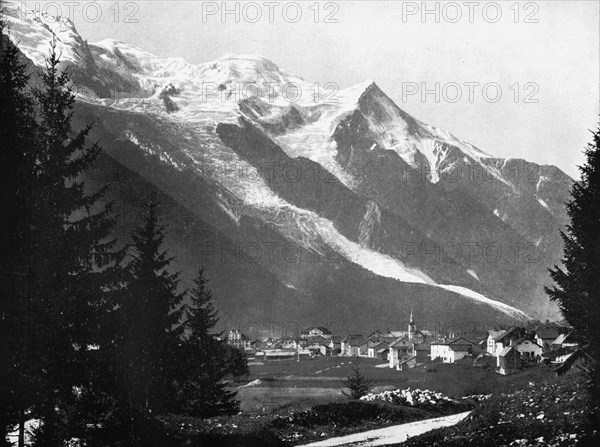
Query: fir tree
[(358, 385), (17, 130), (150, 318), (67, 252), (201, 391), (577, 283), (201, 314)]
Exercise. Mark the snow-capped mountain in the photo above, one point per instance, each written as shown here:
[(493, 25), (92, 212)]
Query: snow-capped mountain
[(307, 204)]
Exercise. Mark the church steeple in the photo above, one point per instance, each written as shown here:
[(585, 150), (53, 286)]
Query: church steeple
[(411, 326)]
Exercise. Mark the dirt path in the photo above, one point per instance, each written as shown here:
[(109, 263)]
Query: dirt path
[(390, 435)]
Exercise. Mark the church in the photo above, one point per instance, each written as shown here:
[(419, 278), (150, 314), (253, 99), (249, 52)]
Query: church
[(409, 347)]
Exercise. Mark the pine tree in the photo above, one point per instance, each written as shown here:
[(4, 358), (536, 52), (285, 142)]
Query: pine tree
[(151, 310), (201, 314), (358, 385), (68, 254), (577, 283), (17, 130), (201, 391)]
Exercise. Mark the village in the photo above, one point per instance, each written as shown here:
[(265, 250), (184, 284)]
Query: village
[(513, 349)]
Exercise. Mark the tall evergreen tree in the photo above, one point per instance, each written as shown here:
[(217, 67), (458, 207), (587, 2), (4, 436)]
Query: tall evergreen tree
[(60, 247), (17, 131), (200, 388), (201, 315), (577, 283), (151, 311)]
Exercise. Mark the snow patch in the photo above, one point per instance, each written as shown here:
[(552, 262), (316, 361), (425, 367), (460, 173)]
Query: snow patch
[(473, 274), (468, 293)]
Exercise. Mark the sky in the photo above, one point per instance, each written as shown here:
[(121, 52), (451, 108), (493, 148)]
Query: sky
[(516, 79)]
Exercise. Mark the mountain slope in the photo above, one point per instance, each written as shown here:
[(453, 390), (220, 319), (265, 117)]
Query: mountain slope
[(311, 209)]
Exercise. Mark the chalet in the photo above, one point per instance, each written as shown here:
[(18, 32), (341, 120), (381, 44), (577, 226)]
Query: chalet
[(521, 353), (317, 331), (576, 362), (529, 350), (401, 351), (350, 345), (546, 335), (498, 340), (451, 350)]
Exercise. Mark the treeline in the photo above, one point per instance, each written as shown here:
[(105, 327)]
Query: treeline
[(98, 335)]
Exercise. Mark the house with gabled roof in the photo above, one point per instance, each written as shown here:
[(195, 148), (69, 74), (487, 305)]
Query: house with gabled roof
[(350, 345), (400, 351), (498, 340), (451, 350), (577, 361), (521, 353), (546, 335)]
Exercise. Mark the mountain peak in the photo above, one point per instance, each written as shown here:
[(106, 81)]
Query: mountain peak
[(246, 69), (35, 31)]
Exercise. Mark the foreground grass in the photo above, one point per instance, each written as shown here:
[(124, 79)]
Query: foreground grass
[(551, 414), (297, 427), (332, 420)]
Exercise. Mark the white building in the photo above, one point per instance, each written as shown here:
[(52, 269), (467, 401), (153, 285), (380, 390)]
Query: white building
[(452, 350), (498, 340), (528, 350), (401, 351)]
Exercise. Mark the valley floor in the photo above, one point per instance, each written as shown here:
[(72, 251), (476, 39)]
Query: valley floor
[(296, 403)]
